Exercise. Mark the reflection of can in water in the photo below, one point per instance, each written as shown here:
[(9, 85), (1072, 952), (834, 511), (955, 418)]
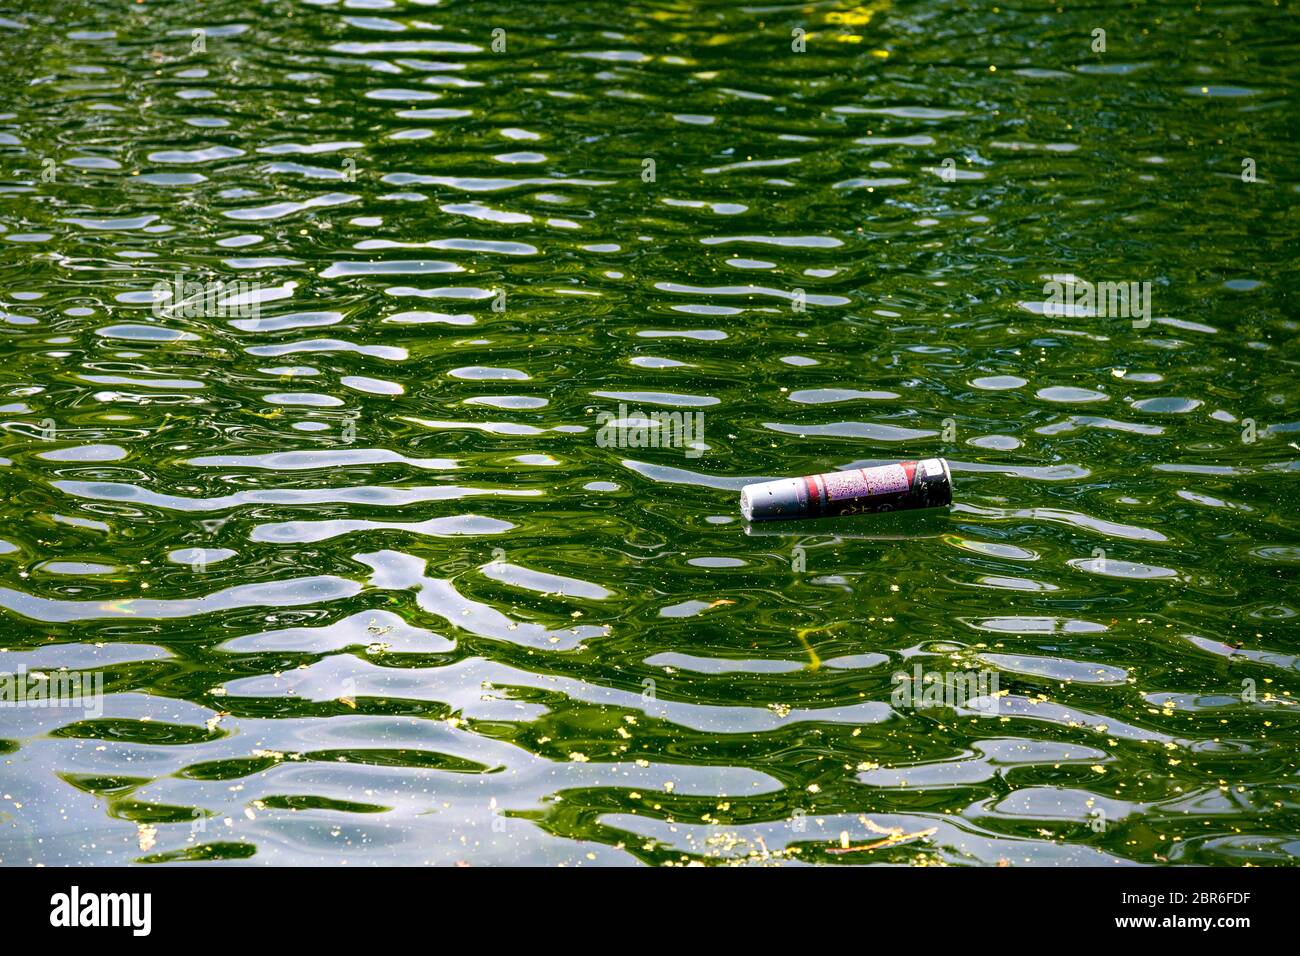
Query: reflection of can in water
[(897, 487)]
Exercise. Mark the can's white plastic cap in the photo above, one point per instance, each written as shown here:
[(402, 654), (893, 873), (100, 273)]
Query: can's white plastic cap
[(772, 499)]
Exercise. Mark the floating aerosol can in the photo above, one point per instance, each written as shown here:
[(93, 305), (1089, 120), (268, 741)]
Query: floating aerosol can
[(897, 487)]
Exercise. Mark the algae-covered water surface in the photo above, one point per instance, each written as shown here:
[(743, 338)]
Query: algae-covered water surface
[(379, 379)]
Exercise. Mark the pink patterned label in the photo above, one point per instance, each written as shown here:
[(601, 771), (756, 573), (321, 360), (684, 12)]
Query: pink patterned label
[(866, 482)]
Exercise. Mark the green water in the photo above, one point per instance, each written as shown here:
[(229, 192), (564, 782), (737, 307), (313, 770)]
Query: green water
[(362, 579)]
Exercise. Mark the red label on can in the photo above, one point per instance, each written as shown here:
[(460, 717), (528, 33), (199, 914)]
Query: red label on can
[(866, 482)]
